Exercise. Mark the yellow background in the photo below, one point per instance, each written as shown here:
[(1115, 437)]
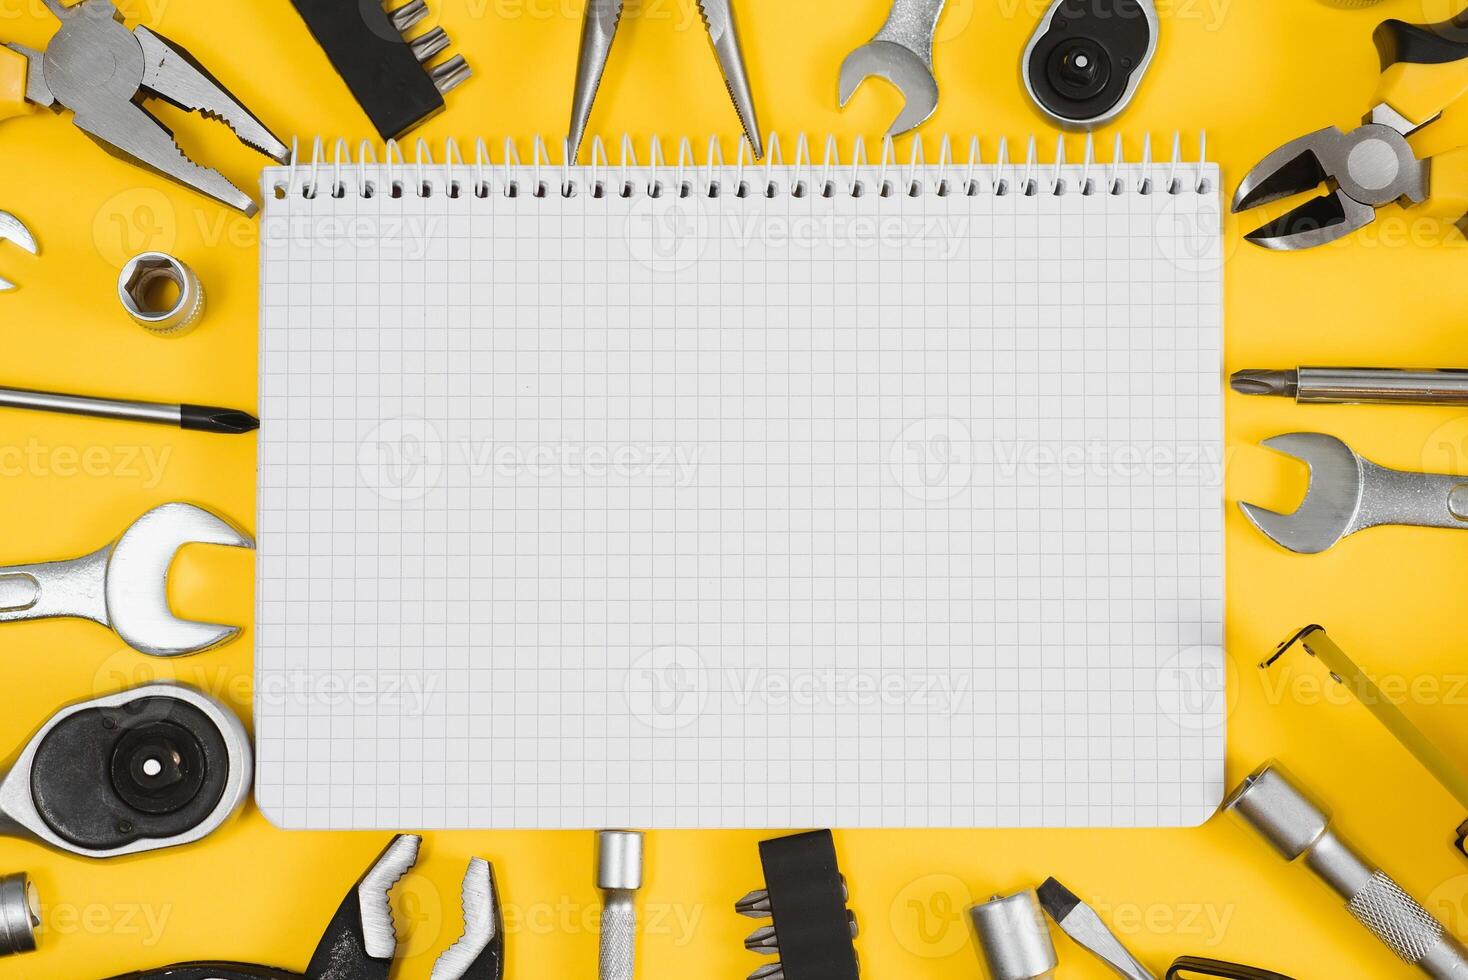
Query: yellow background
[(1253, 73)]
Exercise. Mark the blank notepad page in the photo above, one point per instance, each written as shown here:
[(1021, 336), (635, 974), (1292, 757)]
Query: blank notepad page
[(788, 508)]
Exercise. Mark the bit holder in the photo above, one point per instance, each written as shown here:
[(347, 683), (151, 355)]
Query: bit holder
[(805, 895), (389, 74)]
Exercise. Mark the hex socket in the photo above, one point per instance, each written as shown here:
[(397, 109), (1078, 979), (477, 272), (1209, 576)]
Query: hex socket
[(1298, 828)]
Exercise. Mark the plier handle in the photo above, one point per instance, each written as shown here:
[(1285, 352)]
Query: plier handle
[(360, 943), (1412, 148)]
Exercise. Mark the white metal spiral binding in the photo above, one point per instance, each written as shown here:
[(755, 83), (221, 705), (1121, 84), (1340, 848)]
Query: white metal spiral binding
[(339, 175)]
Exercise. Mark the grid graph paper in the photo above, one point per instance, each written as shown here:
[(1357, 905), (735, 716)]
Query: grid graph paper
[(777, 510)]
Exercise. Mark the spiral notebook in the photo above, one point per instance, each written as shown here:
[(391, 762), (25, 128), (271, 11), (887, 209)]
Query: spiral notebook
[(707, 495)]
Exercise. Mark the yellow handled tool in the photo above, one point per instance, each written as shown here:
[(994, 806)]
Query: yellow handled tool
[(1412, 149), (14, 69), (1344, 671)]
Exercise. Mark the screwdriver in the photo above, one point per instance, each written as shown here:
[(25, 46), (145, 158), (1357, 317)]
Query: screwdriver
[(199, 418), (1357, 386)]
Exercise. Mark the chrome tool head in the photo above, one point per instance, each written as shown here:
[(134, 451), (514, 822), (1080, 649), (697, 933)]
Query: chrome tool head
[(1365, 169), (1331, 509), (598, 31), (718, 17), (102, 71), (11, 230), (480, 953), (1283, 813), (908, 70), (81, 784), (137, 580), (361, 940), (374, 895)]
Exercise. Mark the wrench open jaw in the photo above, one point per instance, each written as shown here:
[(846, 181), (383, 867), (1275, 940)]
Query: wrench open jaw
[(902, 53), (905, 69), (1348, 493), (124, 586), (1332, 504)]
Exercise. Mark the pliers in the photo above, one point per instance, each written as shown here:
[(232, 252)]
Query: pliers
[(360, 943), (102, 72), (1410, 149), (599, 30)]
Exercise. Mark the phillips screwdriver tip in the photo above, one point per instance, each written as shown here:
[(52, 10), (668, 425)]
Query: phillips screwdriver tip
[(225, 421), (1279, 383)]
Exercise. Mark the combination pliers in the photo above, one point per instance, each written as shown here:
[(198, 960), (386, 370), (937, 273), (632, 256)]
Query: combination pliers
[(102, 71), (360, 943), (1408, 151)]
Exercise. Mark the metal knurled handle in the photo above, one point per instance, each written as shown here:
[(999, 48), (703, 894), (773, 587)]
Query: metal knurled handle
[(1396, 919), (618, 938)]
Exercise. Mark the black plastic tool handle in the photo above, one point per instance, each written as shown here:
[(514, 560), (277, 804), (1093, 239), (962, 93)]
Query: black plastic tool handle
[(1399, 42), (212, 971), (1189, 967)]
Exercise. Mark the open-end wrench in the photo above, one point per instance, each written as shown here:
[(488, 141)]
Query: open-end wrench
[(1349, 494), (124, 585), (902, 53), (11, 230)]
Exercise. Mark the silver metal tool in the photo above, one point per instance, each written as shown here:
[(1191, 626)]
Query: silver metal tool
[(1299, 828), (1357, 386), (479, 952), (143, 280), (1013, 938), (598, 32), (1344, 671), (619, 864), (1085, 62), (360, 941), (1081, 923), (1349, 494), (124, 585), (102, 71), (1366, 169), (902, 53), (11, 230), (154, 767), (201, 418), (20, 914)]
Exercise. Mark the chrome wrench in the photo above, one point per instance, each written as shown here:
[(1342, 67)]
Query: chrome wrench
[(124, 585), (1349, 494), (902, 53)]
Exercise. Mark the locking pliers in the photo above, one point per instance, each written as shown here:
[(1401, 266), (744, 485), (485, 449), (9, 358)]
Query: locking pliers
[(360, 943), (102, 71)]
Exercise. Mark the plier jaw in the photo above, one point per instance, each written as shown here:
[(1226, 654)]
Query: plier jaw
[(102, 72), (1365, 169)]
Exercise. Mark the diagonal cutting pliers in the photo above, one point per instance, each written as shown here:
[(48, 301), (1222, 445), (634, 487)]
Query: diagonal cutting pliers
[(360, 943), (1411, 150), (599, 30), (102, 71)]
